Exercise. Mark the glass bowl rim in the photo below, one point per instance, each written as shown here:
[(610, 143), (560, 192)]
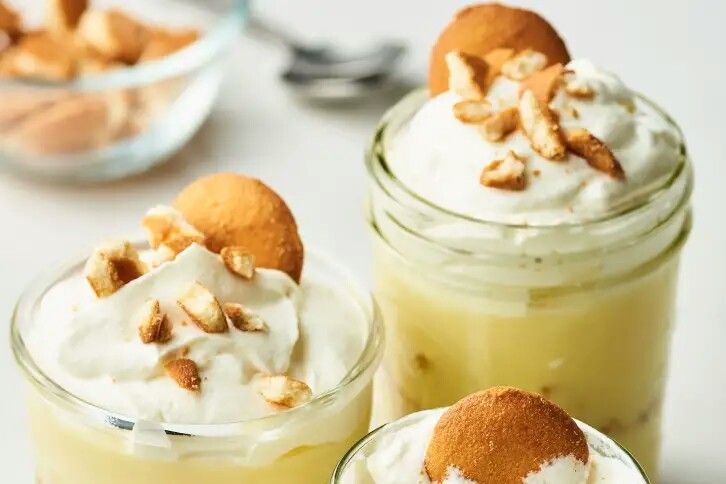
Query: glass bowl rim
[(220, 34), (342, 464), (369, 356)]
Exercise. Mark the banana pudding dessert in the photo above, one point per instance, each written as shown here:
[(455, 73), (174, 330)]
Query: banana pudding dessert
[(527, 213), (219, 351), (502, 435)]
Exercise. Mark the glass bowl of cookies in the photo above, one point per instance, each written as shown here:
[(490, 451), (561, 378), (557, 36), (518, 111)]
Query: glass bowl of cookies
[(99, 90)]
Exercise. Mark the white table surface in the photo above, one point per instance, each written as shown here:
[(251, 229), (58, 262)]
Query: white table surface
[(673, 51)]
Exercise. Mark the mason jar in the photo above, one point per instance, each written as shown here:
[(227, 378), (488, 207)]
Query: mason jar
[(581, 313), (77, 442), (352, 466)]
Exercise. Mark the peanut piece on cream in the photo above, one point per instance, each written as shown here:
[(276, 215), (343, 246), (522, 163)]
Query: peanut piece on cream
[(283, 390), (203, 308)]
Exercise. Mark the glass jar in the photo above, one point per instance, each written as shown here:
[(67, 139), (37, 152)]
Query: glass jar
[(75, 442), (581, 313), (348, 470)]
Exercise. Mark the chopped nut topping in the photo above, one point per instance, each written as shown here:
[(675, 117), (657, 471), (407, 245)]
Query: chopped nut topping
[(150, 319), (595, 152), (283, 390), (243, 318), (169, 232), (472, 111), (571, 111), (467, 75), (507, 173), (538, 124), (501, 124), (185, 373), (496, 59), (239, 261), (203, 308), (524, 64), (579, 89), (111, 266), (165, 330), (544, 83)]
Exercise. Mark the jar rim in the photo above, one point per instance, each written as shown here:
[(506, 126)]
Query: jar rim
[(589, 431), (47, 386), (386, 180)]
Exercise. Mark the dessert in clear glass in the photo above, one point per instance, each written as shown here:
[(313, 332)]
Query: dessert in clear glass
[(165, 361), (527, 222), (518, 438)]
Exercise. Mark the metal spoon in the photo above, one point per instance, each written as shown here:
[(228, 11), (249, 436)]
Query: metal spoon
[(326, 74)]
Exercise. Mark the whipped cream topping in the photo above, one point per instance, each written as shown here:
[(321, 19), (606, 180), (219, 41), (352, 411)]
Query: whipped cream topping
[(91, 347), (398, 457), (441, 158)]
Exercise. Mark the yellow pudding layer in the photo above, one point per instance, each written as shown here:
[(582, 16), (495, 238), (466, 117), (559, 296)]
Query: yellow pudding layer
[(68, 451), (599, 352)]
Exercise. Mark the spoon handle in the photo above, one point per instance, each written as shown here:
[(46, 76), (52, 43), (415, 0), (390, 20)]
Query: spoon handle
[(265, 31)]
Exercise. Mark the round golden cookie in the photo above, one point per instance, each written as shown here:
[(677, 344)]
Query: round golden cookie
[(479, 29), (235, 210), (500, 435)]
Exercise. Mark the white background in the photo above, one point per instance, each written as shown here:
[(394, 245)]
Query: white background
[(673, 51)]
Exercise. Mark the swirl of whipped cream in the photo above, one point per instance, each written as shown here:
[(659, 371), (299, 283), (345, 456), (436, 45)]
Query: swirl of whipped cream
[(91, 346), (398, 457), (440, 158)]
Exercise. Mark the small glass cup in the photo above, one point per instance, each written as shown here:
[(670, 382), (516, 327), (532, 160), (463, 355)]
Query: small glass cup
[(587, 325), (114, 123), (75, 442), (347, 469)]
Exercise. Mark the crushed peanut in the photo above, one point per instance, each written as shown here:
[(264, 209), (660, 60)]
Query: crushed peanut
[(203, 308), (579, 89), (112, 266), (243, 318), (169, 232), (467, 75), (239, 261), (539, 126), (595, 152), (149, 321), (501, 124), (185, 373), (524, 64), (283, 390), (507, 173), (472, 111)]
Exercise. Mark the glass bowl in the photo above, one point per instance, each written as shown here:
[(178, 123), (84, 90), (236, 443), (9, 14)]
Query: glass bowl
[(352, 464), (76, 441), (118, 122)]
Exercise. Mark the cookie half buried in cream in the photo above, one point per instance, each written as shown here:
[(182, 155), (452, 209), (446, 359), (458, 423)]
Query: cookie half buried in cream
[(180, 333), (522, 135), (499, 436)]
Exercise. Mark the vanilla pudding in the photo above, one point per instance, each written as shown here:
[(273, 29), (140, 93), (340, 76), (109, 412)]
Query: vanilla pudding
[(504, 447), (527, 219), (198, 356)]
